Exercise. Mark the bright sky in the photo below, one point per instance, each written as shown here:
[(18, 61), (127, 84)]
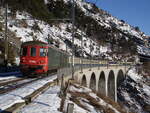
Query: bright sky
[(134, 12)]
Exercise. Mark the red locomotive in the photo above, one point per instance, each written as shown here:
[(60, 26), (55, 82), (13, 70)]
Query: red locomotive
[(38, 57)]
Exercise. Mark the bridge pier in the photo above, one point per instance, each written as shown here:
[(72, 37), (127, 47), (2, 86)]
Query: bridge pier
[(115, 89), (106, 87)]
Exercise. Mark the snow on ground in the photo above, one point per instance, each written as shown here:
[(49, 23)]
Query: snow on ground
[(134, 75), (143, 50), (7, 78), (48, 102), (7, 100), (89, 101), (134, 92), (10, 75)]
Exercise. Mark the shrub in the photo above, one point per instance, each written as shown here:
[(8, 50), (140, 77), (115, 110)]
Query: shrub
[(36, 8), (137, 28), (1, 27)]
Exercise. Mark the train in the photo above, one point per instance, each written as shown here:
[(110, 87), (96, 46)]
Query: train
[(37, 57)]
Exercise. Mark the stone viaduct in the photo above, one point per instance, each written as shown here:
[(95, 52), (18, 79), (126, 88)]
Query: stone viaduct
[(104, 79)]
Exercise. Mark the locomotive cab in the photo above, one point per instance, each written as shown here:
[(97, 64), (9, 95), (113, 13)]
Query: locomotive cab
[(34, 58), (39, 57)]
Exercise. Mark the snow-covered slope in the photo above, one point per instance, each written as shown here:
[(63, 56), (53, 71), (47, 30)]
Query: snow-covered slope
[(134, 92), (28, 30), (59, 34), (106, 19), (109, 22), (83, 100), (86, 101)]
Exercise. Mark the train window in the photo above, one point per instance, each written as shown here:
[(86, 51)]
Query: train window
[(23, 51), (43, 52), (33, 51)]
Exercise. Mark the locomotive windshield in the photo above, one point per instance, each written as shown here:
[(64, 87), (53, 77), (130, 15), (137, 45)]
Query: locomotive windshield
[(33, 51), (24, 51), (43, 52)]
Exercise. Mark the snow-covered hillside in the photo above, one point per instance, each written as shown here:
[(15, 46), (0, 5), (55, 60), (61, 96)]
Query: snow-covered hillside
[(27, 28), (107, 20), (134, 92), (60, 34)]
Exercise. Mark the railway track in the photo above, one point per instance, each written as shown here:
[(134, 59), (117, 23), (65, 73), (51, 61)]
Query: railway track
[(11, 85), (9, 81)]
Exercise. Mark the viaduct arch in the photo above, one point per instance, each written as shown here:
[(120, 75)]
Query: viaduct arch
[(93, 82), (83, 83), (111, 85), (104, 80), (102, 84)]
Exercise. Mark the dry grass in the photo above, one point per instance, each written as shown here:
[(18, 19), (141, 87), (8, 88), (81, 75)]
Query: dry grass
[(76, 98), (1, 27), (146, 69), (116, 105), (80, 97)]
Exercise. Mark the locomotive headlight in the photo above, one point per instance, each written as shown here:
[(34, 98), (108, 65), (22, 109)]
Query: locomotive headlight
[(32, 61)]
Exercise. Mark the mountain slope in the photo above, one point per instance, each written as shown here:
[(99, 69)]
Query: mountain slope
[(134, 92), (116, 38)]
